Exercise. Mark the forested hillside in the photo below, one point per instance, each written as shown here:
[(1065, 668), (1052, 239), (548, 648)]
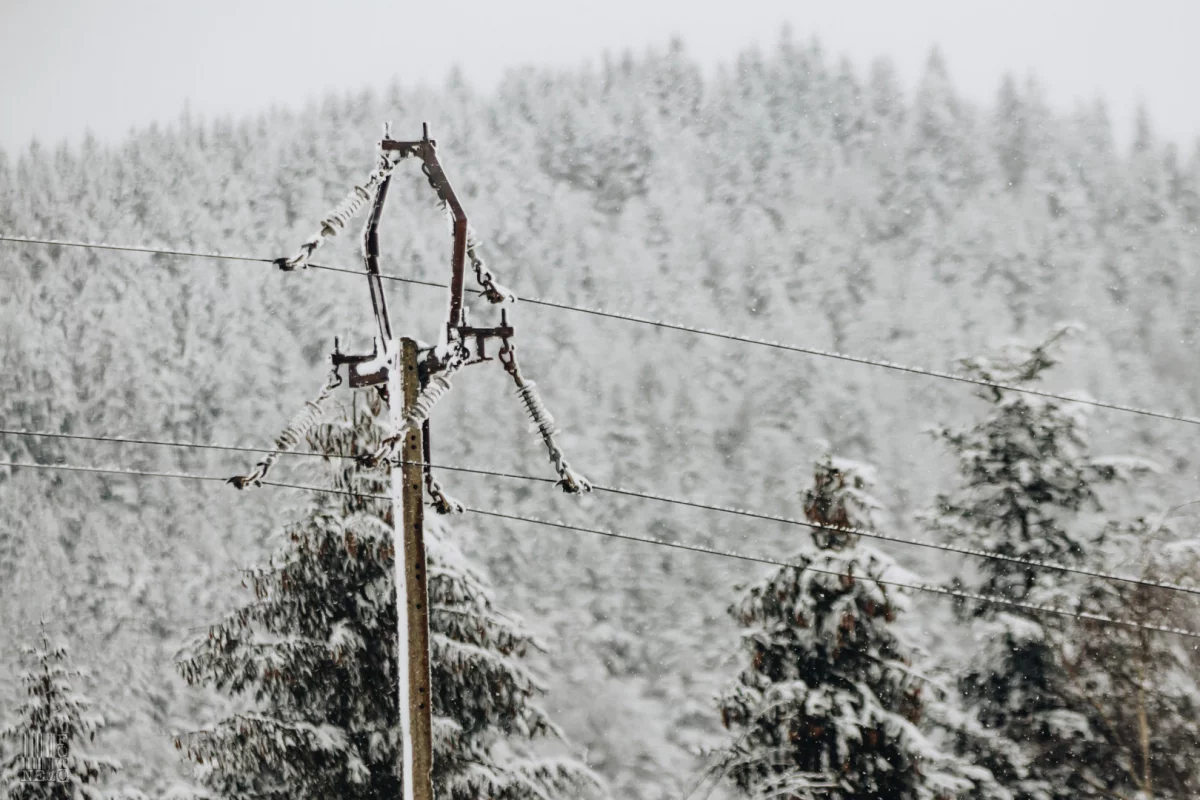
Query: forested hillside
[(790, 196)]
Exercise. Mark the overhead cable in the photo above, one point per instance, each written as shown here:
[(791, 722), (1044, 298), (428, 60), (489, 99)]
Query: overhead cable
[(741, 512), (918, 587), (676, 326)]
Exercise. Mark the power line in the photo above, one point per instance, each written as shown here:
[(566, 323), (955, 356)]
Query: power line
[(641, 320), (675, 326), (180, 476), (919, 587), (741, 512), (158, 443), (123, 248), (946, 548), (128, 248), (891, 365)]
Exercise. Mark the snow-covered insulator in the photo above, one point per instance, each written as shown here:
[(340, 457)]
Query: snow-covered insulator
[(543, 422), (570, 481), (337, 219), (433, 391), (345, 211), (296, 430)]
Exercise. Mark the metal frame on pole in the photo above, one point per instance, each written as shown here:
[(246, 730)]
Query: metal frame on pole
[(412, 384)]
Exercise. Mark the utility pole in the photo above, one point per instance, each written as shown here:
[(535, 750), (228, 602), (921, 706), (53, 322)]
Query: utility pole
[(412, 595), (413, 387)]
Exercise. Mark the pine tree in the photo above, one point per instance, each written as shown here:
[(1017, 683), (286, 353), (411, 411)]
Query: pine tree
[(1012, 132), (831, 696), (44, 758), (315, 651), (1141, 685), (943, 162), (1026, 475)]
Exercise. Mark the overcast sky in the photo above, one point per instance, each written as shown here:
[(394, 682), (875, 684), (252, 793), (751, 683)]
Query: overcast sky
[(107, 65)]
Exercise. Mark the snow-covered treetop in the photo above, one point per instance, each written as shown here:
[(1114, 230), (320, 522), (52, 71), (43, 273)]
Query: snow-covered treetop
[(840, 497), (1017, 362)]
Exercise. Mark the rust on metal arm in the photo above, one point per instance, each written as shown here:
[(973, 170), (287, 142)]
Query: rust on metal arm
[(441, 184)]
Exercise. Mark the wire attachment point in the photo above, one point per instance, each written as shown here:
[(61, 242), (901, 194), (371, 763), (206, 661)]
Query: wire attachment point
[(571, 481), (493, 291), (240, 482), (442, 502)]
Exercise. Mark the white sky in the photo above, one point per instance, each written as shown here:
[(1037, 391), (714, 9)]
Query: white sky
[(70, 65)]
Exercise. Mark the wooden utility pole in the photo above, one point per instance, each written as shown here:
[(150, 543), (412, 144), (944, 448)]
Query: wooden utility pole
[(412, 595), (463, 345)]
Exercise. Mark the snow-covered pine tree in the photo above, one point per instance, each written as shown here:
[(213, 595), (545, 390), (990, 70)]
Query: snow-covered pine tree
[(830, 696), (43, 747), (1142, 685), (315, 651), (1026, 474)]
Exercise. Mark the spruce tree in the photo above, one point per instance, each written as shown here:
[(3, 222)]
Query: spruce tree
[(315, 653), (830, 702), (1026, 475), (1141, 686), (43, 752)]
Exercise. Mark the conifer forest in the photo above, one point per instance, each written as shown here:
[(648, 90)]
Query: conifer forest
[(877, 401)]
